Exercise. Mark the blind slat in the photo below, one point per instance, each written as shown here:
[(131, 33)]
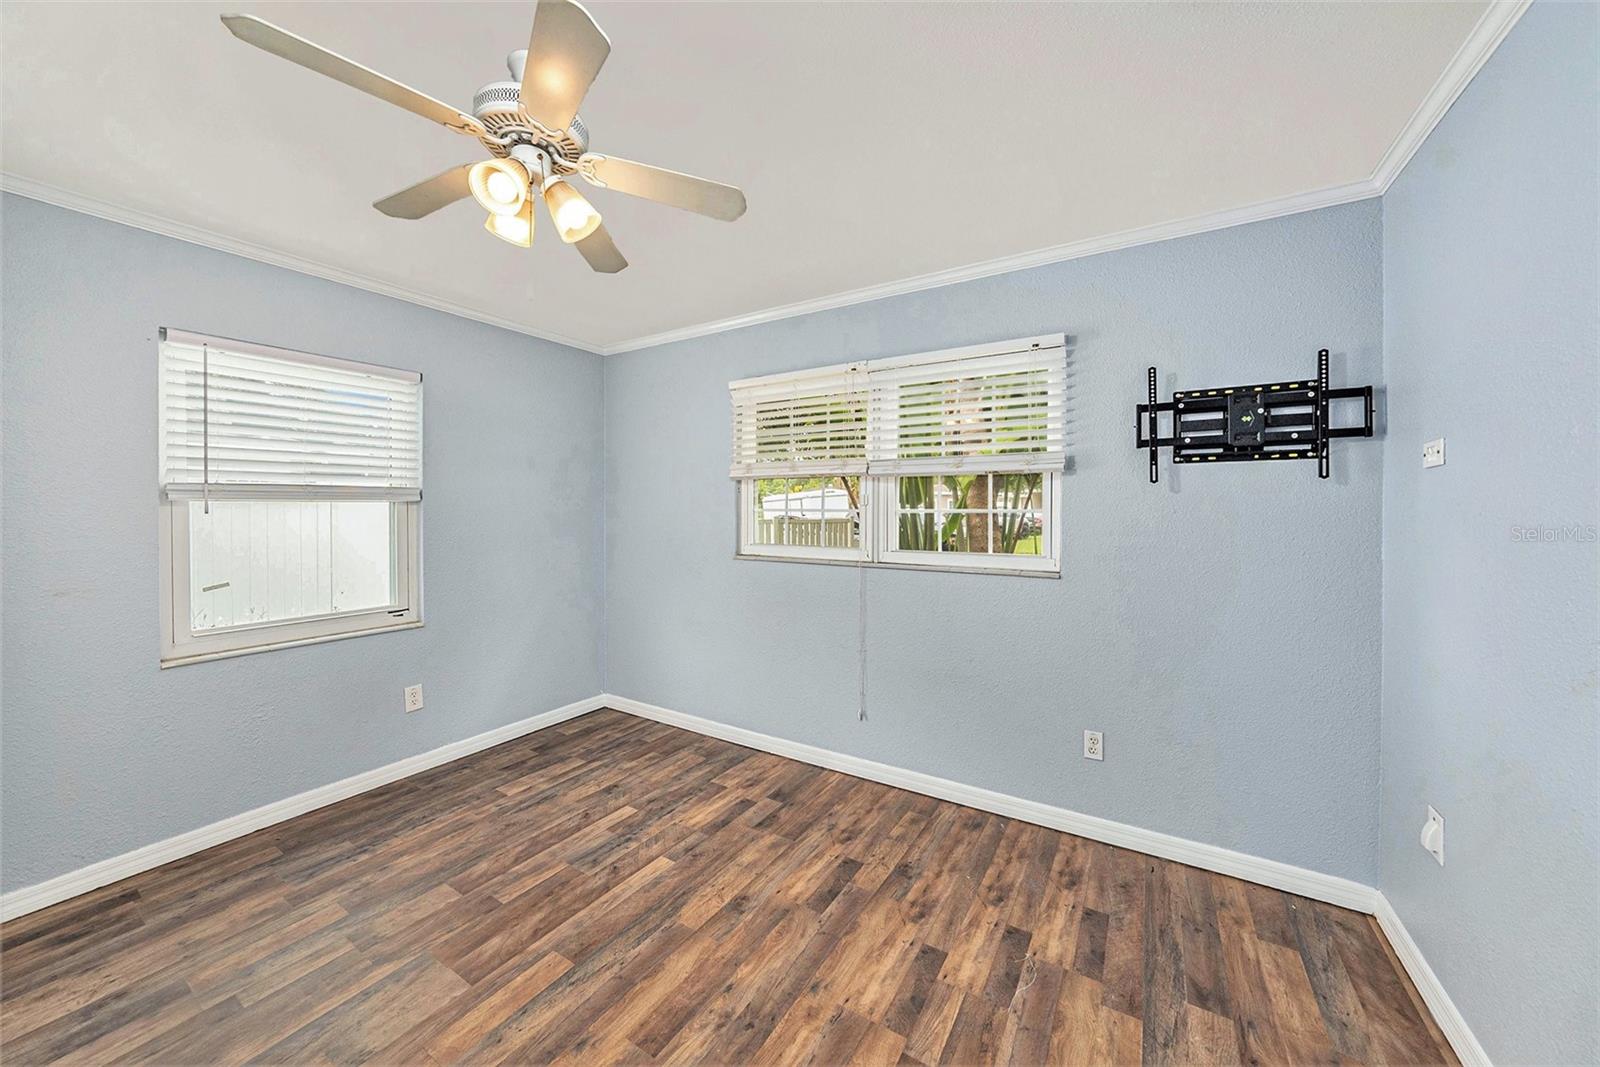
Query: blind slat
[(813, 422), (998, 407), (223, 401), (274, 424)]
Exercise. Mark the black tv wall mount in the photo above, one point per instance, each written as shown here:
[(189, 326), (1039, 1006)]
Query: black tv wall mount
[(1247, 423)]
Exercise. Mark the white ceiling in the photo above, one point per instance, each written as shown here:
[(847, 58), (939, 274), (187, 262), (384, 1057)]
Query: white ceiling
[(876, 142)]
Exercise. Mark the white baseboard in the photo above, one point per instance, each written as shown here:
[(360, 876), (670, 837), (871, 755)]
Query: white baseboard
[(1287, 877), (1450, 1020), (32, 898)]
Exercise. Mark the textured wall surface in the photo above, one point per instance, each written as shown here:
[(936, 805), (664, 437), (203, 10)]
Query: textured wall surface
[(1490, 633), (1221, 628), (102, 751)]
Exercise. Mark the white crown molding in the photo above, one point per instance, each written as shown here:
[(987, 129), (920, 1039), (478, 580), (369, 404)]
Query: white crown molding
[(1143, 235), (1450, 1020), (1216, 220), (1285, 876), (74, 883), (196, 235), (1491, 28)]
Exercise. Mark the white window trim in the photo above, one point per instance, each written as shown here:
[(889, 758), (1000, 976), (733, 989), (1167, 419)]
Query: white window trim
[(402, 489), (750, 549), (181, 645), (888, 538), (881, 456), (880, 534)]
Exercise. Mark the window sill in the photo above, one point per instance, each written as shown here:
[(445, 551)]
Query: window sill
[(182, 660), (1012, 572)]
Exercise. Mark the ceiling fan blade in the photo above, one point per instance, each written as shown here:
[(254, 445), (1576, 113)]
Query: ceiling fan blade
[(280, 42), (565, 52), (725, 202), (424, 198), (601, 252)]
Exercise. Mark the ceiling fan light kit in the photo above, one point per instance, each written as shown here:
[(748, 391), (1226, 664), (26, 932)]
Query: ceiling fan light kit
[(574, 216), (517, 229), (531, 129), (500, 185)]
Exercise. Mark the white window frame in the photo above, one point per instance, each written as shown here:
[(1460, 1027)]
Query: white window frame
[(750, 548), (881, 459), (880, 536), (180, 644), (1049, 561)]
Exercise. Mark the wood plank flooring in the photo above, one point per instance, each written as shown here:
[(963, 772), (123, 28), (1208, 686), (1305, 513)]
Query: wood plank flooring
[(611, 890)]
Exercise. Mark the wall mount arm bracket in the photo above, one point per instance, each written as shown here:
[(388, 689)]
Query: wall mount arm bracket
[(1247, 423)]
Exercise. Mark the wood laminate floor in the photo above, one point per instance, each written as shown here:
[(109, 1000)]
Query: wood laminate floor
[(614, 890)]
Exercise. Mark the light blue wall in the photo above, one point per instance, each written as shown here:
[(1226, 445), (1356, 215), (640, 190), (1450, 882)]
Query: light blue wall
[(102, 752), (1489, 688), (1221, 628)]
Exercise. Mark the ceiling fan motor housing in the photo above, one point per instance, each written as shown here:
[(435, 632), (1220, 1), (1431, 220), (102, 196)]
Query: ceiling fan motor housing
[(498, 106)]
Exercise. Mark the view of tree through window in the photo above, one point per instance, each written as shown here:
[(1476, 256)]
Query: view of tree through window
[(947, 459), (999, 514)]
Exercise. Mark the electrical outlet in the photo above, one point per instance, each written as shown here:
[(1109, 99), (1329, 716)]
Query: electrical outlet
[(413, 698), (1094, 746), (1433, 835), (1433, 453)]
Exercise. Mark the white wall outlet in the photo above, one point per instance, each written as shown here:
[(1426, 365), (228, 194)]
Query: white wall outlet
[(1094, 746), (413, 698), (1433, 453), (1433, 835)]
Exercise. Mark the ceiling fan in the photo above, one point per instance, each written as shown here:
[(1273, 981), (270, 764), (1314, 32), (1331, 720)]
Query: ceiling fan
[(530, 126)]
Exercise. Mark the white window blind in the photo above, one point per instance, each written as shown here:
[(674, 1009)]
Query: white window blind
[(795, 424), (994, 408), (244, 421), (997, 407)]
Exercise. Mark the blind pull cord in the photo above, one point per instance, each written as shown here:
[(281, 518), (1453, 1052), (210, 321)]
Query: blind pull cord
[(861, 591), (205, 427), (861, 619), (861, 642)]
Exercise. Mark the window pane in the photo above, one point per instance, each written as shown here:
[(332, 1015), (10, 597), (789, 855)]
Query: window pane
[(916, 493), (819, 512), (270, 561), (918, 531), (1018, 492), (1017, 533), (962, 491), (965, 532), (972, 514)]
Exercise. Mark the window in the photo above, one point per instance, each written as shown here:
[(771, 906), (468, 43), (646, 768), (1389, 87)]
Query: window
[(962, 514), (817, 517), (947, 459), (290, 496)]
